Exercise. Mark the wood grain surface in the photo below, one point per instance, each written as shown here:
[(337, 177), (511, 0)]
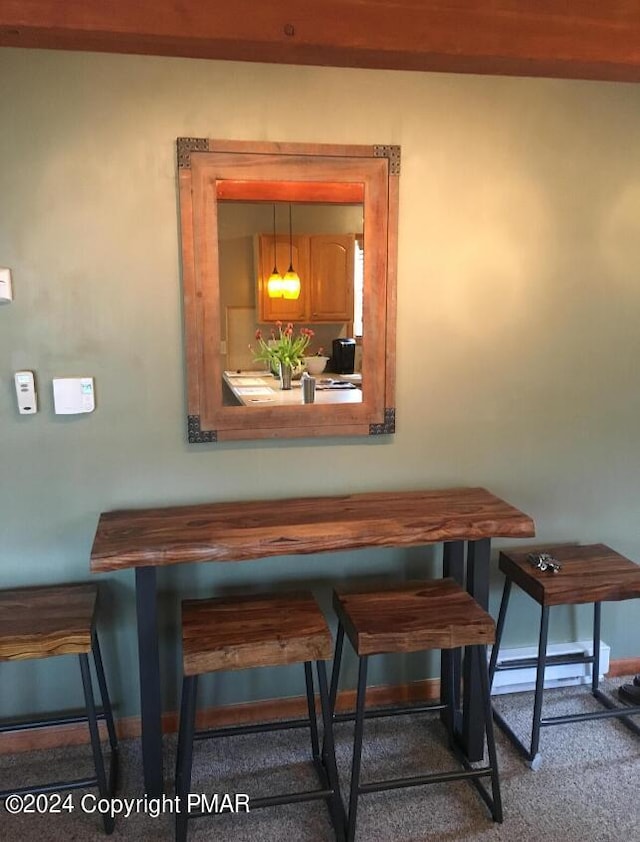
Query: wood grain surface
[(258, 630), (251, 530), (592, 39), (42, 622), (413, 616), (339, 193), (590, 573)]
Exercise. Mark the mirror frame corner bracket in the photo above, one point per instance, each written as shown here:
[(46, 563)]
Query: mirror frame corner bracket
[(196, 435)]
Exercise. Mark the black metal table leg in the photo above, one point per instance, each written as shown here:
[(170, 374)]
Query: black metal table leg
[(472, 737), (150, 698), (451, 659), (453, 561), (478, 554)]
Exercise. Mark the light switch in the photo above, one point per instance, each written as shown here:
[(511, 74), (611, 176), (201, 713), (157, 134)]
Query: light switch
[(6, 291), (26, 392)]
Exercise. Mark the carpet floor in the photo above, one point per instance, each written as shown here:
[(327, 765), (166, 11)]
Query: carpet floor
[(587, 789)]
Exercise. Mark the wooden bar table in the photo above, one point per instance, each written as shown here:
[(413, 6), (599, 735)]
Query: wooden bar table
[(147, 539)]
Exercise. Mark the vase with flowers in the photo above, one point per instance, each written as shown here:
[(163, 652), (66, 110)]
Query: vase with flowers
[(284, 350)]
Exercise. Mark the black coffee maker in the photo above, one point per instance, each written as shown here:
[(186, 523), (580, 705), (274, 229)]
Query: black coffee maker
[(343, 356)]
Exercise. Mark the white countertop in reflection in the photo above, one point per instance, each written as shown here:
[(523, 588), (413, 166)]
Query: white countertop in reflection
[(257, 388)]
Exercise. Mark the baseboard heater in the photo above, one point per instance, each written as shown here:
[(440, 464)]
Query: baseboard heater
[(518, 671)]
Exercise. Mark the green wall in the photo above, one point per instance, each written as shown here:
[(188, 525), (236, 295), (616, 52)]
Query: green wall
[(518, 306)]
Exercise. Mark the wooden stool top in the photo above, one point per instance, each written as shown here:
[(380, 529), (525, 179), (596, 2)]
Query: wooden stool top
[(42, 622), (259, 630), (590, 573), (412, 616)]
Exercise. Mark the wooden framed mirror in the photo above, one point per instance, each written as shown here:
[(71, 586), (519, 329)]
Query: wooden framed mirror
[(334, 211)]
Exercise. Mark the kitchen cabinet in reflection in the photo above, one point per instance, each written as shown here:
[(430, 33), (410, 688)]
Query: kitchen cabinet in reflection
[(325, 265)]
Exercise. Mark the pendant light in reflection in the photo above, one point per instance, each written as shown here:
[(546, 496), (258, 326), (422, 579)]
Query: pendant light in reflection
[(291, 281), (275, 280)]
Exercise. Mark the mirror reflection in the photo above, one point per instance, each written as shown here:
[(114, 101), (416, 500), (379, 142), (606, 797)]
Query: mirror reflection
[(263, 249)]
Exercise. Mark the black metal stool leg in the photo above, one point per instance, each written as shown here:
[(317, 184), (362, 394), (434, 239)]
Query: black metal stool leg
[(502, 616), (335, 672), (188, 712), (496, 806), (108, 714), (336, 806), (534, 756), (98, 760), (595, 667), (311, 706), (357, 749)]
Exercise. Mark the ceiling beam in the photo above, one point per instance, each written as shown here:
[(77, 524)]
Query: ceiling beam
[(584, 39)]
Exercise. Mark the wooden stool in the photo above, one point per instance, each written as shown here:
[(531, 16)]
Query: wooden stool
[(44, 622), (411, 617), (257, 631), (588, 574)]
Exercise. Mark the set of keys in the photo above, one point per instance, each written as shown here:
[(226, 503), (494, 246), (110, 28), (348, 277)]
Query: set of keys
[(544, 562)]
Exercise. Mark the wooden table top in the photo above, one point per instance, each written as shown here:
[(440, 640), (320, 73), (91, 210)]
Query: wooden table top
[(258, 529)]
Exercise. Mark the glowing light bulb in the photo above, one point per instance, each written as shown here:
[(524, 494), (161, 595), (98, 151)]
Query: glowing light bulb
[(291, 284), (275, 285)]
